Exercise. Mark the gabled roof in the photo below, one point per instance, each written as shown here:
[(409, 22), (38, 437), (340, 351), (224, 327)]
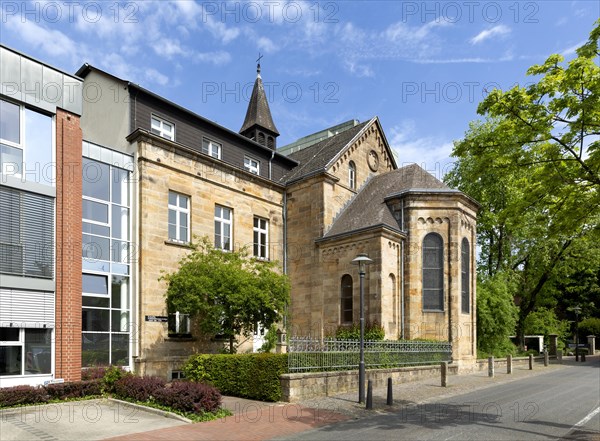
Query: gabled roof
[(258, 113), (86, 68), (369, 207), (315, 158)]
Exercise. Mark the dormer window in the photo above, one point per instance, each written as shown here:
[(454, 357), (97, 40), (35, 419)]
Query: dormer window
[(252, 165), (162, 127), (352, 175), (211, 148)]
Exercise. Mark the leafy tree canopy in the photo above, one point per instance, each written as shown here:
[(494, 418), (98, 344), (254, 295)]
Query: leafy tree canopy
[(534, 165), (229, 293)]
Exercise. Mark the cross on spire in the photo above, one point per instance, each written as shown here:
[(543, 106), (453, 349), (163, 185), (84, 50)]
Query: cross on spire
[(258, 63)]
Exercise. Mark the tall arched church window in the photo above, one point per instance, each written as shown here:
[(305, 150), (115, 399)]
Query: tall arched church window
[(465, 277), (433, 272), (346, 303), (352, 175)]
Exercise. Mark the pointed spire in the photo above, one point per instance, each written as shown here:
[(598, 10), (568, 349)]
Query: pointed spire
[(258, 124)]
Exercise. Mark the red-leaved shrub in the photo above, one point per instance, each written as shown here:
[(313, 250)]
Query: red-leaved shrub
[(138, 388), (12, 396), (76, 389), (189, 397), (93, 373)]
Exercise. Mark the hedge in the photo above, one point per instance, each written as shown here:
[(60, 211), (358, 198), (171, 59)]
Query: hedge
[(254, 376), (187, 396), (20, 395), (138, 388), (75, 389)]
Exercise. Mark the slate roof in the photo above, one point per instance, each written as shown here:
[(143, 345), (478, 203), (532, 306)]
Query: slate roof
[(314, 158), (258, 112), (368, 208)]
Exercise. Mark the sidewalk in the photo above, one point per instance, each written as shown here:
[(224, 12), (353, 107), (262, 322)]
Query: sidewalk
[(254, 420)]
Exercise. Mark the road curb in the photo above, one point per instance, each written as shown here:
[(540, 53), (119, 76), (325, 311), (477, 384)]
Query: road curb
[(158, 412)]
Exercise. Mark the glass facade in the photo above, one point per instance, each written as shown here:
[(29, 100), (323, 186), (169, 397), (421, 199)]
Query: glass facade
[(26, 144), (106, 324), (27, 223)]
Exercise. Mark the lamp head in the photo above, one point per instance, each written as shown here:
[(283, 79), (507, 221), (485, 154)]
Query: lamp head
[(362, 260)]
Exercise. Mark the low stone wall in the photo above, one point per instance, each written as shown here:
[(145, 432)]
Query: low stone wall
[(308, 385)]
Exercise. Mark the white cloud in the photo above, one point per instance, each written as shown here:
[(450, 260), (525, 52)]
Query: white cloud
[(219, 30), (473, 60), (571, 50), (496, 31), (156, 77), (266, 44), (217, 57), (429, 152), (51, 42), (360, 70)]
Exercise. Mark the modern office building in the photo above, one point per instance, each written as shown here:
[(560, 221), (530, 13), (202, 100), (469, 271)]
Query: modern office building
[(40, 221)]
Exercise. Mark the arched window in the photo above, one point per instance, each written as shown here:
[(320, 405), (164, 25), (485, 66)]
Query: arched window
[(346, 299), (261, 138), (465, 274), (433, 272), (271, 142), (352, 175), (394, 298)]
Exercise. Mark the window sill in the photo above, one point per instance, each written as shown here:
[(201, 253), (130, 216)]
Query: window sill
[(178, 244), (438, 311), (180, 337)]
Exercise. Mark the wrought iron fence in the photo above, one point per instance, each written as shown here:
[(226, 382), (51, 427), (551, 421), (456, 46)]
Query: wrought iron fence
[(311, 354)]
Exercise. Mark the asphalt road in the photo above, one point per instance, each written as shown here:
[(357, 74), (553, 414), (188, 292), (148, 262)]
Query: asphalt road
[(563, 404)]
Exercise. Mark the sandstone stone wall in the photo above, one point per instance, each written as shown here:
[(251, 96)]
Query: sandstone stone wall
[(304, 386), (163, 166), (315, 273)]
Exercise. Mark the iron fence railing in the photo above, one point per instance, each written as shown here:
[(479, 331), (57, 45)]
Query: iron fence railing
[(312, 354)]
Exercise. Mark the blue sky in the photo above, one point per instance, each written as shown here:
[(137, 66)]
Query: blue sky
[(422, 67)]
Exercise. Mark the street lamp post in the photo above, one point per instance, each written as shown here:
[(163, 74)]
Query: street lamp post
[(577, 310), (362, 260)]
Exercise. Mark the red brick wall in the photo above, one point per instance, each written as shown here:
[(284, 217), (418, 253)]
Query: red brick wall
[(68, 246)]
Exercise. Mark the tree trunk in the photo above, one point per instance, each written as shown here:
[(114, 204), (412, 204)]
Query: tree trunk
[(231, 339)]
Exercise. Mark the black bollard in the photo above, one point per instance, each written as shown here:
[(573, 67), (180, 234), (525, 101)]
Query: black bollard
[(583, 357), (390, 394), (370, 395)]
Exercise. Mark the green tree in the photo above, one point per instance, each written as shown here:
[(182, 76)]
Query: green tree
[(229, 293), (496, 315), (543, 321), (534, 164)]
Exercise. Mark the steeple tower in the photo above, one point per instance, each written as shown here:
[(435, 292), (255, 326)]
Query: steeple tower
[(258, 124)]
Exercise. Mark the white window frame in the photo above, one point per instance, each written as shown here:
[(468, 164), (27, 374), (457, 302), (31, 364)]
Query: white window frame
[(178, 209), (21, 343), (352, 175), (262, 232), (221, 220), (213, 148), (22, 144), (160, 129), (252, 165)]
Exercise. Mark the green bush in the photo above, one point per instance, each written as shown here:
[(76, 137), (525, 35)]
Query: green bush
[(373, 332), (589, 326), (111, 376), (254, 376)]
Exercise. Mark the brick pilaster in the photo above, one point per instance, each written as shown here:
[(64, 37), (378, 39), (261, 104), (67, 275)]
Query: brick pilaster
[(68, 246)]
